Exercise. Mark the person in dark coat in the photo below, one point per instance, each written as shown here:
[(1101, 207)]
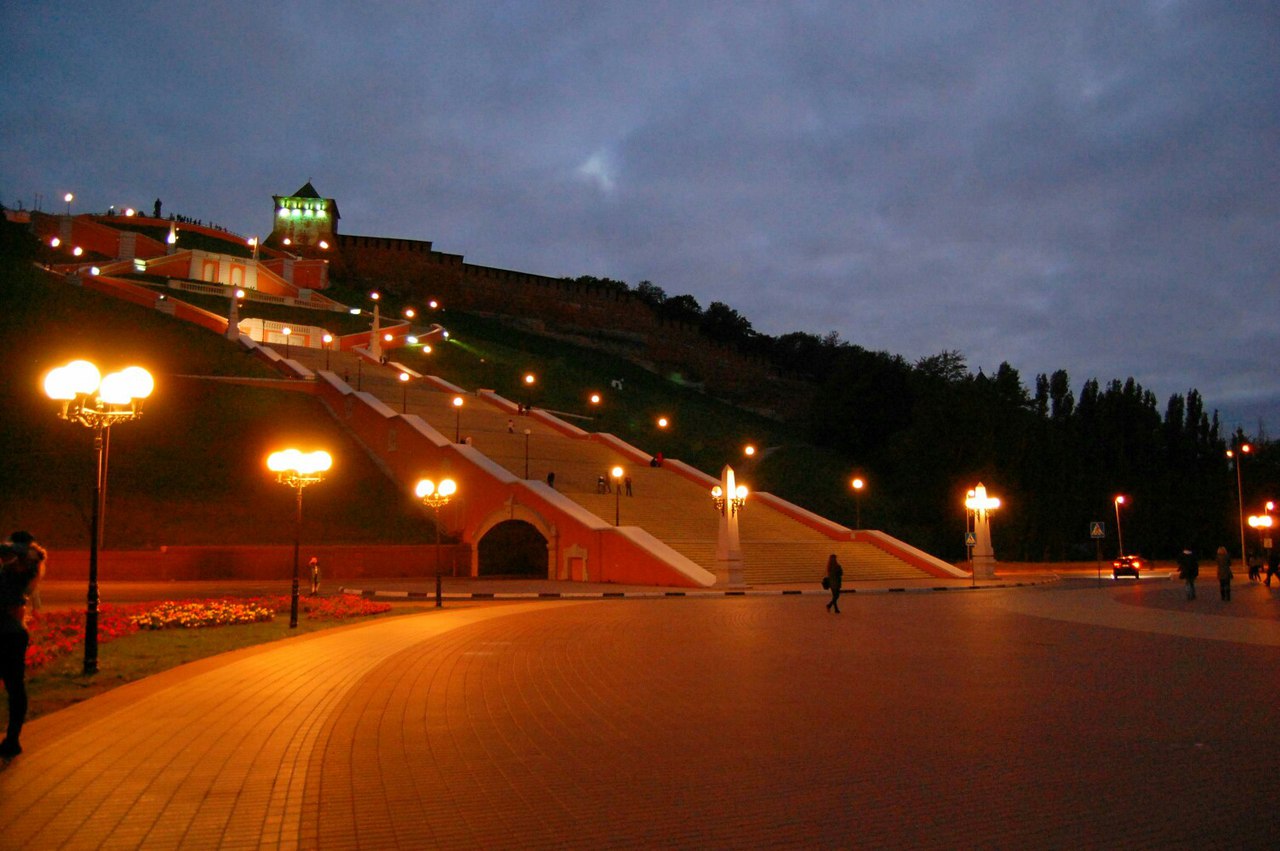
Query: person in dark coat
[(1224, 573), (21, 566), (835, 578), (1188, 570), (1273, 564)]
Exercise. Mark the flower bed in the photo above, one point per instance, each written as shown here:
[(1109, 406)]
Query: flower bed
[(59, 633)]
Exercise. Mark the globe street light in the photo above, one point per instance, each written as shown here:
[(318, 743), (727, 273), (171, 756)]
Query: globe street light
[(98, 403), (1119, 501), (286, 332), (327, 339), (734, 503), (436, 497), (616, 473), (982, 505), (857, 484), (297, 470), (529, 380), (1242, 450), (69, 197), (404, 392), (457, 419)]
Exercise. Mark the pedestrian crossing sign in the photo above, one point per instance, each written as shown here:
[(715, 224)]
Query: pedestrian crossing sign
[(1097, 529), (970, 539)]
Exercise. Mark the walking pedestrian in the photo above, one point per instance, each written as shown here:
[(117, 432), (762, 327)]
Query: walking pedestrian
[(1255, 566), (1273, 564), (21, 566), (627, 480), (834, 579), (1188, 570), (314, 564), (1224, 573), (551, 479)]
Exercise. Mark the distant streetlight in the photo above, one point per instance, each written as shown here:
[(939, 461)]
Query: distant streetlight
[(286, 332), (435, 497), (663, 422), (297, 469), (98, 403), (328, 346), (69, 197), (1242, 450), (749, 450), (1119, 501), (857, 484), (616, 473), (594, 398), (457, 419), (529, 380)]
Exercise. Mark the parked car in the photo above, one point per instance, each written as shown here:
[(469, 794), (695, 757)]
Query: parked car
[(1126, 566)]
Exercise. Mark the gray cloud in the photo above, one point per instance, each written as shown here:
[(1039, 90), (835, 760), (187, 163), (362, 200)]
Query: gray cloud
[(1079, 185)]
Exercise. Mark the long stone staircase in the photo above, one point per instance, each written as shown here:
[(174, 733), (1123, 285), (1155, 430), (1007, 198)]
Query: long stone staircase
[(776, 548)]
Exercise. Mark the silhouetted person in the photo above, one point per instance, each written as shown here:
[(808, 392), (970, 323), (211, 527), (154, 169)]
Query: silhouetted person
[(835, 578), (551, 479), (1224, 573), (1273, 564), (627, 481), (1188, 570), (21, 566), (155, 213), (315, 576)]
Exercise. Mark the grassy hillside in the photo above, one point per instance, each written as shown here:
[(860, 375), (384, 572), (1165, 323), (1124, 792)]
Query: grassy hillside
[(191, 470)]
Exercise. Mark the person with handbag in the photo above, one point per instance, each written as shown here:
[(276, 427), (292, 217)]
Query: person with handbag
[(832, 582)]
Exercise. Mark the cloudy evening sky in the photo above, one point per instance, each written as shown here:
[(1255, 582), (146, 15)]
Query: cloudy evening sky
[(1089, 186)]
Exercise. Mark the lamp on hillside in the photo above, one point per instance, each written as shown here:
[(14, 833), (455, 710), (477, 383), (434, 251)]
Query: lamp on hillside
[(529, 380), (98, 403), (616, 473), (858, 484), (298, 469), (404, 392), (457, 419), (527, 432), (436, 496), (69, 197)]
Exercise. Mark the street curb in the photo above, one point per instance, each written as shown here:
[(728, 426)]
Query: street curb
[(373, 594)]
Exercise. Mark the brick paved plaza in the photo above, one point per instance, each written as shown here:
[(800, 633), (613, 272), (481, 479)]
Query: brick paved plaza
[(1058, 716)]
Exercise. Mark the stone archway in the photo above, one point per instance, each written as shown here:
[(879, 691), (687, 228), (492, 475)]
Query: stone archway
[(512, 548)]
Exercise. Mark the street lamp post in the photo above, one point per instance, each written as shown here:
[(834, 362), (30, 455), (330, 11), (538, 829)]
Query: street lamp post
[(858, 484), (286, 332), (98, 403), (457, 419), (616, 473), (527, 432), (1242, 450), (404, 392), (1119, 501), (298, 469), (69, 197), (328, 347), (729, 498), (436, 497), (982, 505), (529, 380)]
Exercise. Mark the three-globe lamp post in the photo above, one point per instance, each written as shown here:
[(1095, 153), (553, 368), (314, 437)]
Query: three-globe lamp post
[(436, 496), (97, 402), (297, 470)]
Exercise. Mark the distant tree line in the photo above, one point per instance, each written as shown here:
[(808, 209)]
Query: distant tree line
[(927, 431)]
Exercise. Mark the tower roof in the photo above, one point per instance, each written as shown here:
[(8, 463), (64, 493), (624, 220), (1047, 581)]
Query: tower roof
[(307, 191)]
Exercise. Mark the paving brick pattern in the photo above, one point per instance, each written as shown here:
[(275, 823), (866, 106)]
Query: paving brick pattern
[(1055, 716)]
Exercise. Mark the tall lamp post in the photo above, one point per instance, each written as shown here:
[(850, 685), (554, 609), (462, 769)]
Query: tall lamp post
[(616, 473), (858, 484), (327, 339), (984, 557), (529, 380), (729, 498), (457, 419), (286, 332), (435, 497), (527, 432), (1119, 501), (404, 392), (98, 403), (1238, 454), (297, 470)]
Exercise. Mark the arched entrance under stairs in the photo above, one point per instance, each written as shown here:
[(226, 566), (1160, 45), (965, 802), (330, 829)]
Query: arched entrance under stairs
[(512, 548)]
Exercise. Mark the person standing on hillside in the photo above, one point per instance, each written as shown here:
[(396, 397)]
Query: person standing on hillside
[(21, 566), (833, 580)]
